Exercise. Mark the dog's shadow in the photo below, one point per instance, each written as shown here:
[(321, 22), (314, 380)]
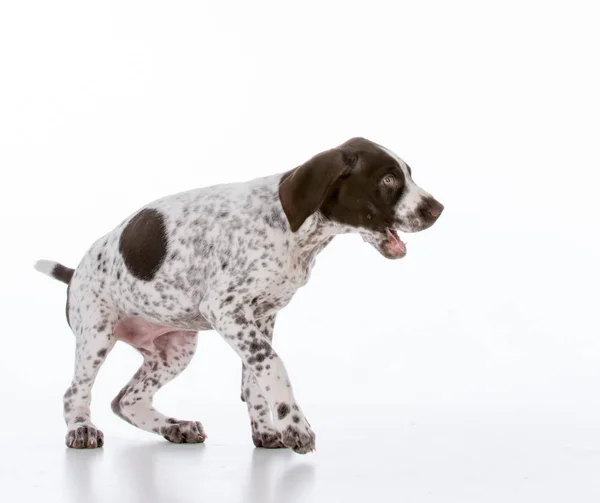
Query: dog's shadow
[(277, 476), (81, 471), (132, 473), (145, 474)]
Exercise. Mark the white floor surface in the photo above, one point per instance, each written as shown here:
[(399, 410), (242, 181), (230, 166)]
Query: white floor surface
[(370, 453)]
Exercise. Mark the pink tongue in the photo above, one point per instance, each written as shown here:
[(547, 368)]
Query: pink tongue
[(395, 243)]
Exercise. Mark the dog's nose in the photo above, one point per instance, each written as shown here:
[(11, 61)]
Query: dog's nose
[(435, 208), (430, 209)]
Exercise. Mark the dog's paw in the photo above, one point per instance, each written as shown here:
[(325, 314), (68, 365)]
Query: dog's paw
[(184, 432), (300, 440), (84, 437), (267, 439)]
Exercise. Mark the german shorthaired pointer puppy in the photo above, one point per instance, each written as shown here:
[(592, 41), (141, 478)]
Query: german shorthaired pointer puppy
[(227, 258)]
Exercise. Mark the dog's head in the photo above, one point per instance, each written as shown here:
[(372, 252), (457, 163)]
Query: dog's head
[(364, 186)]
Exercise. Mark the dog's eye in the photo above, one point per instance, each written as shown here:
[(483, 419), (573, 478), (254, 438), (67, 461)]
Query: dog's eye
[(388, 180)]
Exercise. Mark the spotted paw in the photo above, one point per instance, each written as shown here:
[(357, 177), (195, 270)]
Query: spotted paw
[(267, 440), (299, 440), (84, 437), (184, 432)]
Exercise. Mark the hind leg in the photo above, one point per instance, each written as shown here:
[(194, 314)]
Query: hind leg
[(94, 340), (169, 356)]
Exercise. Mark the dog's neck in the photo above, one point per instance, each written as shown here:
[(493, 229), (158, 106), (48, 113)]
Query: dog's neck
[(314, 234)]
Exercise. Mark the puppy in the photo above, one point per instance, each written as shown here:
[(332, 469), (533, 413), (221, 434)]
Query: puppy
[(226, 258)]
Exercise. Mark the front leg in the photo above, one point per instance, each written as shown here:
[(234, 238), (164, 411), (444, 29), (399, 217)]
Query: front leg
[(236, 325), (264, 432)]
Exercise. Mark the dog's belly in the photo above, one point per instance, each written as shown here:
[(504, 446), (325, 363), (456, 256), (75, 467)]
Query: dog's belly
[(141, 333)]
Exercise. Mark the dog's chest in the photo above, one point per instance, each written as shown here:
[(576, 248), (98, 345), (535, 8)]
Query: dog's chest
[(274, 287)]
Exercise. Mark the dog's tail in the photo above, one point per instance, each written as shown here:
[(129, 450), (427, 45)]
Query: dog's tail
[(55, 270)]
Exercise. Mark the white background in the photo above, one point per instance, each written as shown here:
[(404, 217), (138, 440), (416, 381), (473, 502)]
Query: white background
[(468, 371)]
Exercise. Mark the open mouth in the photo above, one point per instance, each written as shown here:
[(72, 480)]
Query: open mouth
[(394, 244)]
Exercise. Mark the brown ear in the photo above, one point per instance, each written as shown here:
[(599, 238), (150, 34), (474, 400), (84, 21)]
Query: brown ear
[(303, 190)]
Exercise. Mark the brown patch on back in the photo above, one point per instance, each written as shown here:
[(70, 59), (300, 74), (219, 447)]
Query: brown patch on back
[(143, 244)]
